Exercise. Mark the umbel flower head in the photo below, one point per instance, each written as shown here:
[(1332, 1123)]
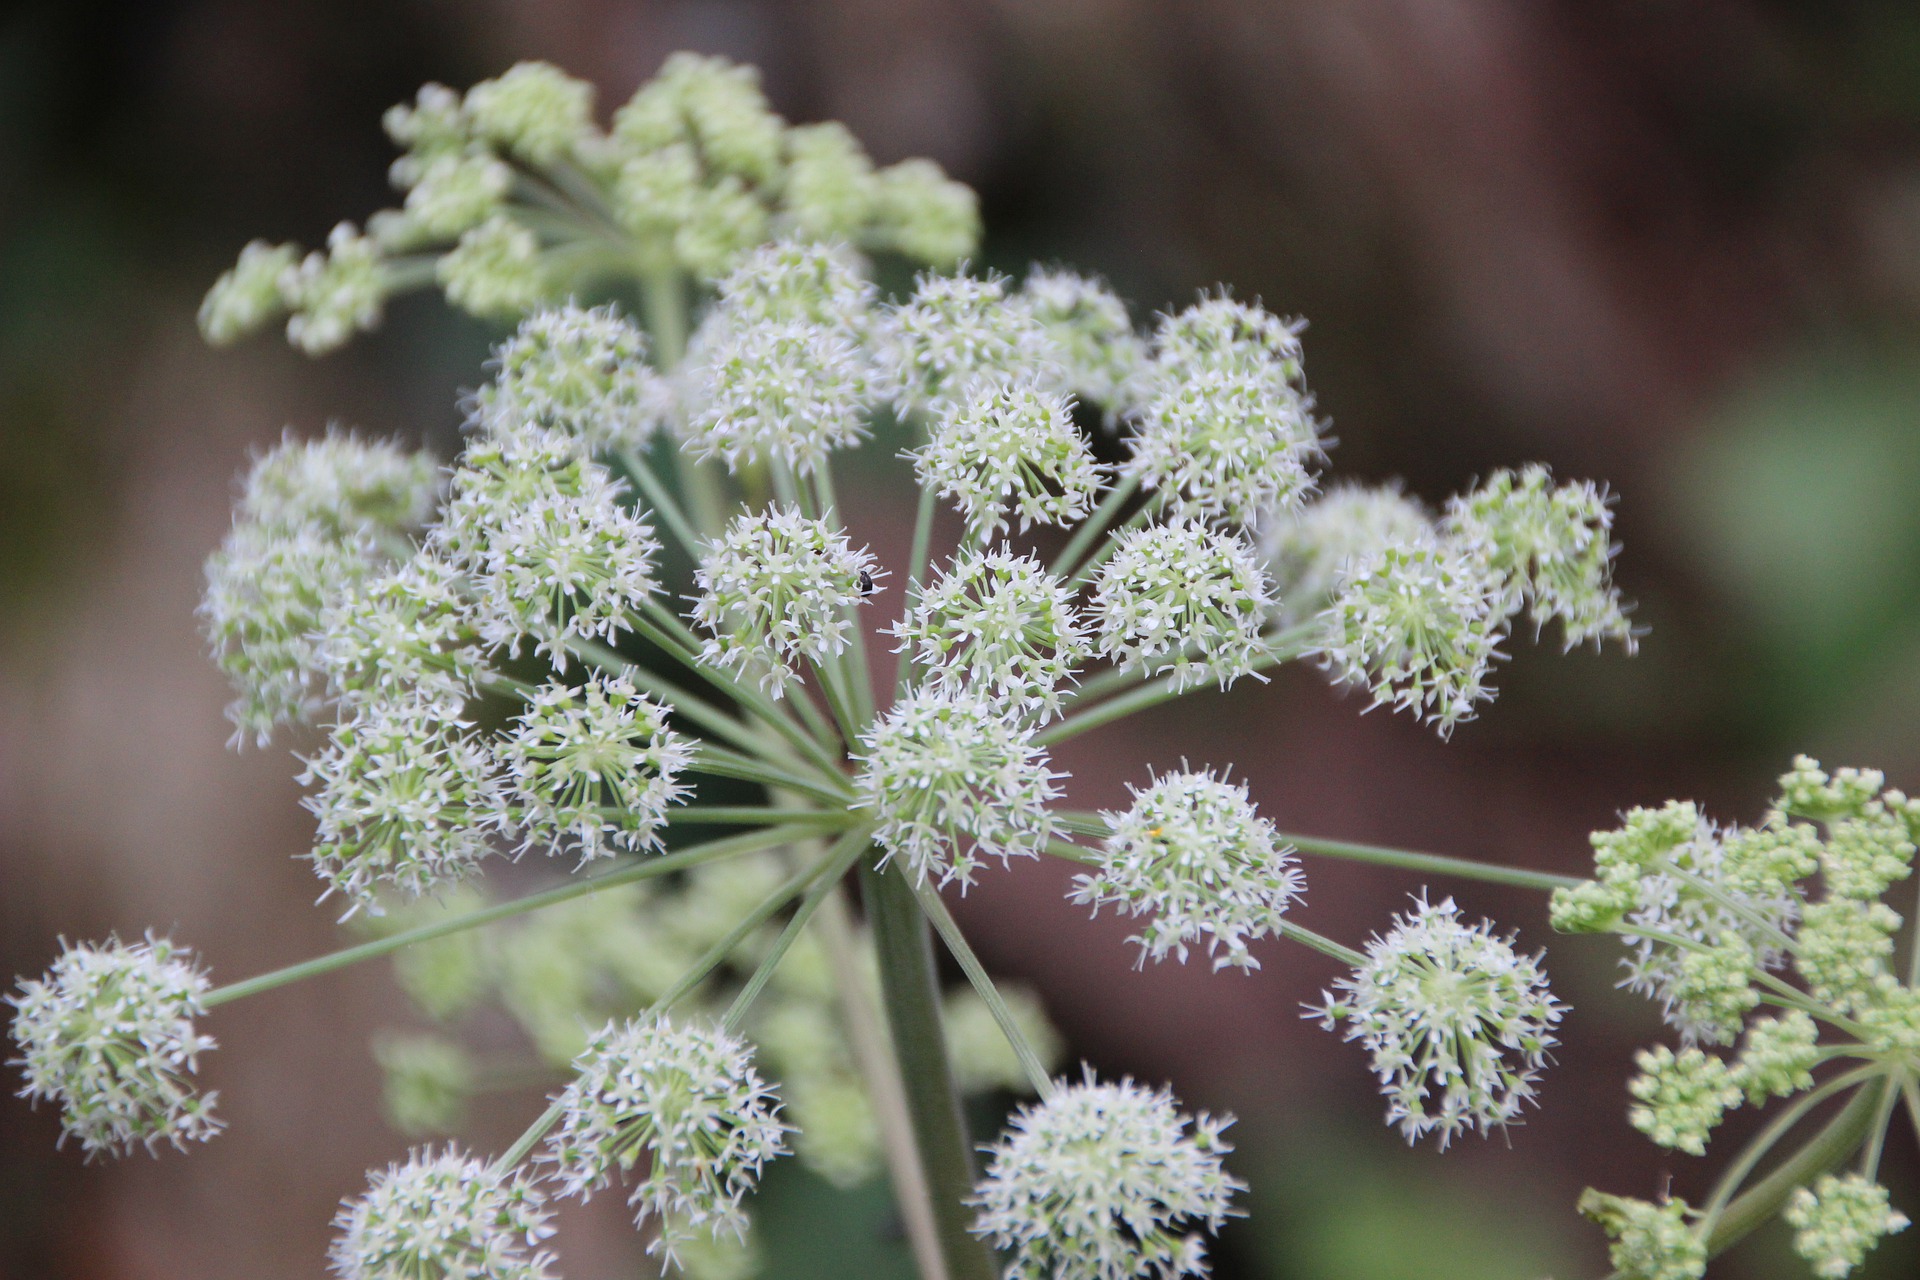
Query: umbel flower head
[(1104, 1181), (685, 1098), (999, 622), (1838, 1223), (1458, 1024), (1092, 336), (1551, 549), (108, 1034), (443, 1217), (780, 370), (1648, 1240), (1194, 855), (1010, 445), (957, 332), (1310, 552), (1420, 624), (951, 780), (775, 590), (552, 553), (400, 634), (581, 372), (405, 797), (594, 769), (1183, 600), (342, 484)]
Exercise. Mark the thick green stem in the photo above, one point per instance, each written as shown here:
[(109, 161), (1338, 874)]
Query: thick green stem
[(1823, 1152), (909, 987), (646, 869)]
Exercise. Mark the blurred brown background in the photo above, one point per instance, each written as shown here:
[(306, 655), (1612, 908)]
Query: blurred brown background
[(1673, 246)]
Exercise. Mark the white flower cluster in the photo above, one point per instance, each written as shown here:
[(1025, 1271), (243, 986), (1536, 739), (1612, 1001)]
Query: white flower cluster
[(1458, 1024), (594, 769), (1181, 600), (1000, 622), (1194, 854), (549, 550), (108, 1034), (774, 590), (583, 373), (950, 781), (688, 1101), (781, 371), (1226, 434), (314, 520), (1104, 1181), (443, 1217), (1010, 445)]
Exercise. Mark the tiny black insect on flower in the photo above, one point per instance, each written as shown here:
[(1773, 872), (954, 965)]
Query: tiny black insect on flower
[(866, 583)]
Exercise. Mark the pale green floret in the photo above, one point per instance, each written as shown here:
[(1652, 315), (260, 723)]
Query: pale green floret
[(433, 122), (1104, 1182), (688, 1101), (404, 798), (1590, 907), (1308, 551), (922, 213), (1010, 446), (1419, 625), (1779, 1056), (247, 296), (443, 1217), (656, 193), (955, 333), (1645, 840), (266, 590), (1865, 855), (1769, 862), (1194, 854), (341, 484), (1184, 601), (536, 111), (581, 372), (405, 633), (1806, 790), (983, 1057), (951, 781), (594, 769), (830, 189), (1891, 1017), (108, 1034), (1093, 333), (774, 591), (1838, 1223), (1843, 948), (1713, 991), (551, 551), (998, 622), (495, 271), (725, 221), (795, 280), (428, 1080), (453, 192), (1550, 547), (712, 104), (1457, 1023), (335, 294), (1648, 1241), (1681, 1097)]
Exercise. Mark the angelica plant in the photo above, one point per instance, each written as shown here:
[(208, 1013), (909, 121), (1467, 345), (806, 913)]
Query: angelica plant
[(754, 812)]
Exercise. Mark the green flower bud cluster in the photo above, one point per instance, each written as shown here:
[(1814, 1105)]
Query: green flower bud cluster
[(515, 196), (1721, 920)]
